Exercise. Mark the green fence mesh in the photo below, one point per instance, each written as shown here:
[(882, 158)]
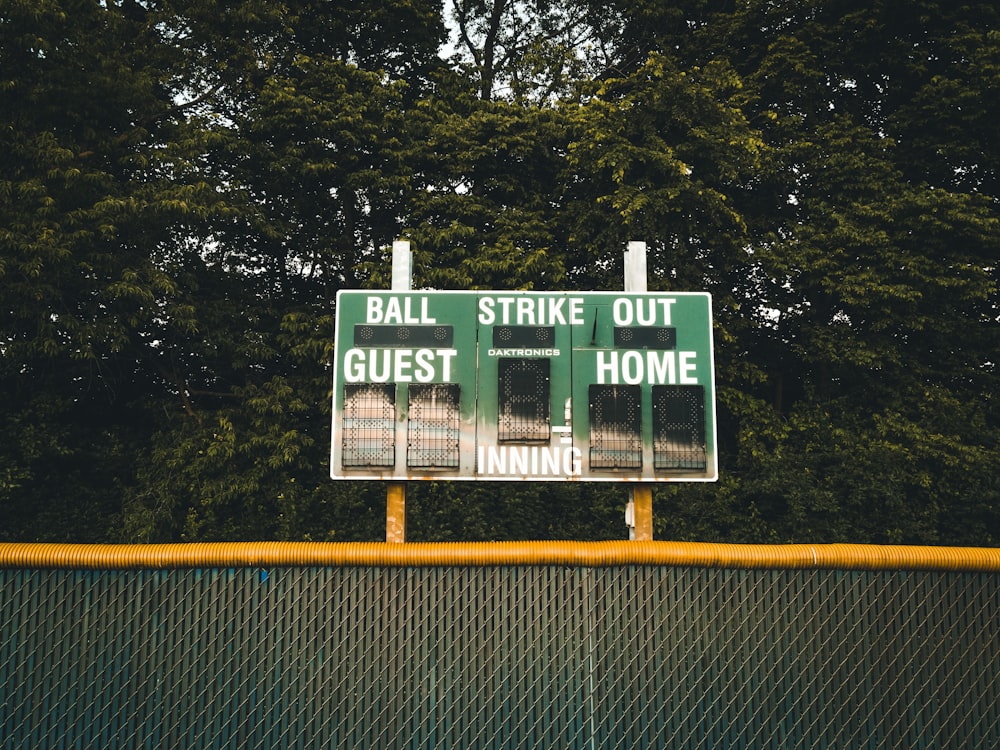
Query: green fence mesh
[(491, 657)]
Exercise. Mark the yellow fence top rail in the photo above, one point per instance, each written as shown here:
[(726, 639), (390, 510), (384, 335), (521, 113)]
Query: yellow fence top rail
[(579, 554)]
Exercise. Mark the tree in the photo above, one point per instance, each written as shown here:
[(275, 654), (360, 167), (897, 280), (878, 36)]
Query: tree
[(96, 179), (485, 213), (880, 278), (524, 51), (310, 143)]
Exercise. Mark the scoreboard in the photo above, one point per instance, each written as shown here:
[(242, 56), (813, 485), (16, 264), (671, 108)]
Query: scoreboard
[(548, 386)]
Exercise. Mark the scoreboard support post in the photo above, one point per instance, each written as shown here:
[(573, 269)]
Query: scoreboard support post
[(395, 492), (639, 513)]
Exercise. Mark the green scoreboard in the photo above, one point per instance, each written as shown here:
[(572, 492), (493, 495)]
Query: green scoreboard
[(550, 386)]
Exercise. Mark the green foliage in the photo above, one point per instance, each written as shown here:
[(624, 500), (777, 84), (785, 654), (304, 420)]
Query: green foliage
[(185, 186), (483, 213), (663, 153)]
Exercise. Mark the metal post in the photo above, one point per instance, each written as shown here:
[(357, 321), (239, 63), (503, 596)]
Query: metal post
[(395, 493), (402, 266), (639, 510), (395, 512), (635, 267)]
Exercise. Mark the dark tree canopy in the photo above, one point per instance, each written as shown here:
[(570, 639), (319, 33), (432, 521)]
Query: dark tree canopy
[(185, 186)]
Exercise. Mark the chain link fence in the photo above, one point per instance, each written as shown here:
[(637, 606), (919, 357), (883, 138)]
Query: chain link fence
[(514, 656)]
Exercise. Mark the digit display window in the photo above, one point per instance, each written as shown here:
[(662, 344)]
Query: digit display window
[(523, 401), (615, 427), (369, 425), (679, 427), (433, 426)]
